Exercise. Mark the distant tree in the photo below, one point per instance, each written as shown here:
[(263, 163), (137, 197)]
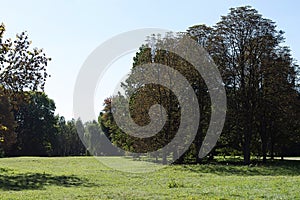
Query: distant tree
[(96, 139), (61, 142), (67, 141), (79, 148)]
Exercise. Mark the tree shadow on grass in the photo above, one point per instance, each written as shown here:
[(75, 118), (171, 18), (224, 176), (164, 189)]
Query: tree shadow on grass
[(272, 168), (34, 181)]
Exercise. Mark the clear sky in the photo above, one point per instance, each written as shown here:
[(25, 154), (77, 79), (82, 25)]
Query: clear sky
[(69, 31)]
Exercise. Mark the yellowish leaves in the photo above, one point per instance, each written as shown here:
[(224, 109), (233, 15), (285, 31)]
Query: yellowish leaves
[(3, 128)]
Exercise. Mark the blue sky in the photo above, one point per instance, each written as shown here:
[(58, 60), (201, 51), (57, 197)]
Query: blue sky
[(69, 31)]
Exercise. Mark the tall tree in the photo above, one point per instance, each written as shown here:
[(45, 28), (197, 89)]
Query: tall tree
[(257, 72), (260, 78), (142, 96), (21, 69)]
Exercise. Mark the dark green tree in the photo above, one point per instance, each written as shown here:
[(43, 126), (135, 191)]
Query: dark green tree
[(258, 73), (36, 125)]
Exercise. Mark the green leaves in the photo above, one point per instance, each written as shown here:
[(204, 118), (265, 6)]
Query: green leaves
[(36, 125), (259, 75), (20, 67)]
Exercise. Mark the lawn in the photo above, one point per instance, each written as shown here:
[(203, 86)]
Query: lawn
[(87, 178)]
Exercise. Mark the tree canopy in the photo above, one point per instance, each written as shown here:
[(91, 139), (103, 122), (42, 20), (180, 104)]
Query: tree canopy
[(260, 76), (261, 80), (21, 69)]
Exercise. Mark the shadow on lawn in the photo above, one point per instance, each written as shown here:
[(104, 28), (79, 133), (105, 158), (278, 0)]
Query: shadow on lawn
[(272, 168), (11, 181)]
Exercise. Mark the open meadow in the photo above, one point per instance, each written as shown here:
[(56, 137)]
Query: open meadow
[(97, 98), (87, 178)]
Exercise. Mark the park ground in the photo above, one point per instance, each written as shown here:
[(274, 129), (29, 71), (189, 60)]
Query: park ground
[(86, 178)]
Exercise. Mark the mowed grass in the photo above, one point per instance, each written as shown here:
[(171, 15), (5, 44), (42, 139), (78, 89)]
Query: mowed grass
[(87, 178)]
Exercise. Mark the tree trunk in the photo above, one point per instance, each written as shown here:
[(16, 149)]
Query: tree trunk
[(164, 158), (264, 142), (264, 151), (175, 154), (247, 149), (247, 144), (247, 139), (180, 159), (272, 148), (198, 144)]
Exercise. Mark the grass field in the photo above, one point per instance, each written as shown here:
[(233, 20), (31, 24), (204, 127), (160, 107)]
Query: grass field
[(87, 178)]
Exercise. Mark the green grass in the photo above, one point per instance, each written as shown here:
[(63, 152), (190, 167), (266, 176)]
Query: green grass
[(87, 178)]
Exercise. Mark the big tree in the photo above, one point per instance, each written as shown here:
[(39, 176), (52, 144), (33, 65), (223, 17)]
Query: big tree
[(22, 68), (258, 73), (142, 97)]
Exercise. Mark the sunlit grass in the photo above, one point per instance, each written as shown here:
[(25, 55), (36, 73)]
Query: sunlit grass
[(87, 178)]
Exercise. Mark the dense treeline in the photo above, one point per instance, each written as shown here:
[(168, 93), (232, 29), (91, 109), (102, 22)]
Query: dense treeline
[(28, 125), (260, 77), (38, 132), (261, 80)]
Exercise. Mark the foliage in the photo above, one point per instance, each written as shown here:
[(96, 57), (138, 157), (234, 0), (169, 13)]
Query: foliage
[(261, 81), (260, 77), (7, 123), (67, 141), (36, 125), (20, 69)]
